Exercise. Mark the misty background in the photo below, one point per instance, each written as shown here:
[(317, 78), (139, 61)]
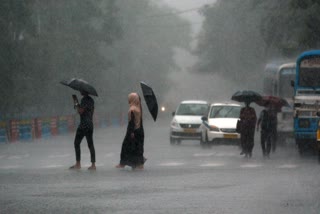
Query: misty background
[(184, 49)]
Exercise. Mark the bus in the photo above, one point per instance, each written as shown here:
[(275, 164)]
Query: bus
[(307, 101), (276, 82), (269, 75)]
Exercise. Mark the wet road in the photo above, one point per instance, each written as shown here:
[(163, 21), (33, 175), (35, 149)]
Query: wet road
[(34, 178)]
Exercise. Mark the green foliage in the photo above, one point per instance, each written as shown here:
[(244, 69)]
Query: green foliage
[(111, 44), (239, 37), (230, 40), (49, 41)]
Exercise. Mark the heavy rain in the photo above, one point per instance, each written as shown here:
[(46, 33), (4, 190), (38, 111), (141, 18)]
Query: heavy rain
[(176, 106)]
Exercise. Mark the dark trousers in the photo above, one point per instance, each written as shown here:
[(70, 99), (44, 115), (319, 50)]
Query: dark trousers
[(274, 135), (247, 140), (266, 142), (77, 141)]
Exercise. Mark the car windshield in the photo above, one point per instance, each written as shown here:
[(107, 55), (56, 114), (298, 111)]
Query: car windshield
[(192, 109), (225, 112)]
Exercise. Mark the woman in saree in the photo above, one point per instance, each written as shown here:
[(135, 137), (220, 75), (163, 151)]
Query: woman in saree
[(133, 144)]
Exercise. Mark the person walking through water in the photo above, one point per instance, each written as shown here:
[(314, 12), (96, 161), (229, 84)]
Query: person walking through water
[(248, 120), (268, 122), (85, 129), (133, 144)]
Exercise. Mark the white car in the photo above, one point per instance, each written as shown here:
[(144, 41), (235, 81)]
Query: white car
[(219, 126), (187, 120)]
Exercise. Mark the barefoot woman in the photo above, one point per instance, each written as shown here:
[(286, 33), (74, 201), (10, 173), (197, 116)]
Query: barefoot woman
[(132, 146)]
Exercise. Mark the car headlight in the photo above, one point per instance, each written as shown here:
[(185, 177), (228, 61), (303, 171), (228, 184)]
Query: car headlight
[(214, 128), (175, 124)]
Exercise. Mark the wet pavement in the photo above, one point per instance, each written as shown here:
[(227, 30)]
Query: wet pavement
[(34, 178)]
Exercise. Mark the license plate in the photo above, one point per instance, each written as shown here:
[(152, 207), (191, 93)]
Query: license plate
[(190, 130), (232, 136)]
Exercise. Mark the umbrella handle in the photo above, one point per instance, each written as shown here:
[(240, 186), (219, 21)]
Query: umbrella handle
[(76, 106), (75, 99)]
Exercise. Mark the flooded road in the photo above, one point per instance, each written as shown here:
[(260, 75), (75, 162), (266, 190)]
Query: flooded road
[(177, 179)]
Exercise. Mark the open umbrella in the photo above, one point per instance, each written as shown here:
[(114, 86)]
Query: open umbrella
[(150, 99), (246, 96), (80, 85), (273, 101)]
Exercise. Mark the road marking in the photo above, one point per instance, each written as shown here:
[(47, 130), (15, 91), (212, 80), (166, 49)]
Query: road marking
[(18, 156), (59, 156), (171, 164), (212, 164), (109, 155), (287, 166), (250, 165), (227, 154), (203, 154), (10, 167), (52, 166), (88, 165)]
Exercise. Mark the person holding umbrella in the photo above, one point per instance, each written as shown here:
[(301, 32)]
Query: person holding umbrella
[(248, 120), (85, 109), (267, 121), (273, 106), (133, 144), (85, 129)]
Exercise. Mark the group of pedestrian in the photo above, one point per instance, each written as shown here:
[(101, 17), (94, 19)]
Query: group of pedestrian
[(268, 132), (133, 144)]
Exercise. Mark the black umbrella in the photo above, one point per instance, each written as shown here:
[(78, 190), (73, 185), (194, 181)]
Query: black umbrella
[(80, 85), (150, 99), (246, 96)]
